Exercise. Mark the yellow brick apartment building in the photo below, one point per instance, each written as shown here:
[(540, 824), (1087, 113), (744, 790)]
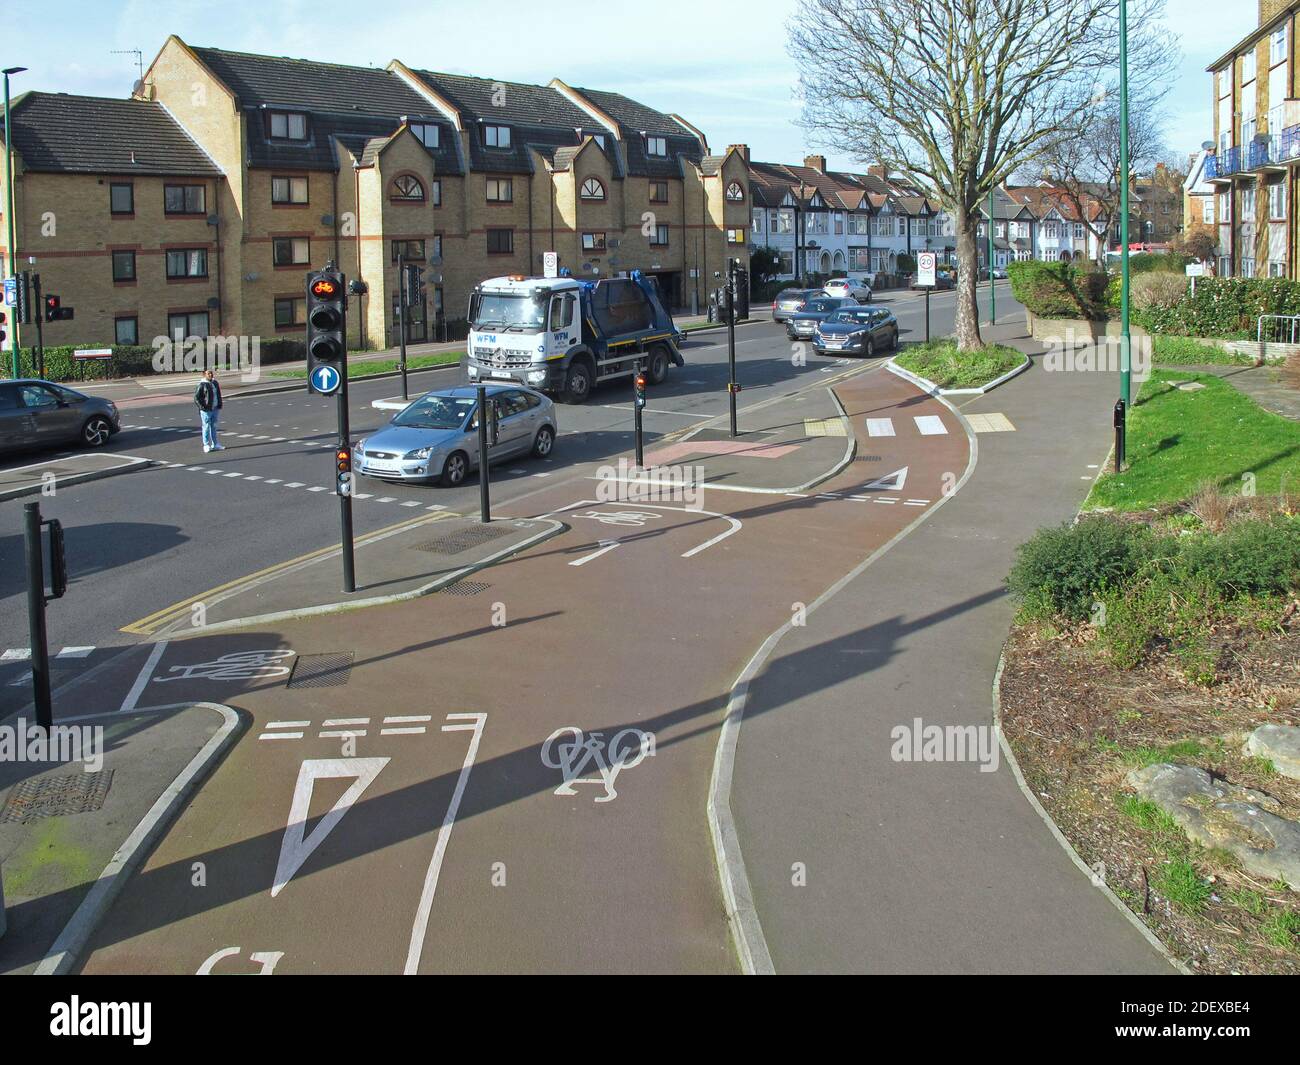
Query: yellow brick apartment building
[(1251, 171), (200, 202)]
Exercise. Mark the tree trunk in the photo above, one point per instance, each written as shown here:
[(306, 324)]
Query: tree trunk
[(968, 314)]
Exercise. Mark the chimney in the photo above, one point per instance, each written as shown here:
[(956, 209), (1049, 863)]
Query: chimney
[(1270, 9), (817, 162), (743, 149)]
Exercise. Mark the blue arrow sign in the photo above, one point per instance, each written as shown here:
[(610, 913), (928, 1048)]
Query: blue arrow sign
[(325, 379)]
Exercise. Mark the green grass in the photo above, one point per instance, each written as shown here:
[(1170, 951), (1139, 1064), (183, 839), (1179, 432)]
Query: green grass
[(1179, 882), (1146, 814), (378, 366), (1184, 351), (1179, 441), (1282, 929), (940, 361)]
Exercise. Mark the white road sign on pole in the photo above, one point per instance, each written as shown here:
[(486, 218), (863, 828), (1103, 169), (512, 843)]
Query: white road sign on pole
[(926, 263), (550, 264)]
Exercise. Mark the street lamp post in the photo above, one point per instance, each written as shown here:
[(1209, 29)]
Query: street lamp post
[(1125, 340), (9, 194)]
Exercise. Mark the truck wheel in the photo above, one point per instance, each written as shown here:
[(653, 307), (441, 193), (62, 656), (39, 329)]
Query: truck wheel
[(577, 386), (657, 366)]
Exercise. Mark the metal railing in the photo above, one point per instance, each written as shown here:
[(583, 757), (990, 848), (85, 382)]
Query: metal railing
[(1278, 329)]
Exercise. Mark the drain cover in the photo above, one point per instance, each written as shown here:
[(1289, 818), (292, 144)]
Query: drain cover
[(329, 670), (465, 588), (75, 793), (461, 540)]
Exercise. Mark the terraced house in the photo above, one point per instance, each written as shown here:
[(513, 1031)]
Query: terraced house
[(1253, 164), (265, 166)]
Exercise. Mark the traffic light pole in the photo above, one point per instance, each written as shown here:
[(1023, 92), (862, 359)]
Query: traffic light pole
[(401, 319), (732, 386), (638, 400), (38, 303), (484, 503), (36, 615), (345, 499)]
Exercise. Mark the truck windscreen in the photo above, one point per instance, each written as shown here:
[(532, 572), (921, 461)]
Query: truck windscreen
[(494, 310)]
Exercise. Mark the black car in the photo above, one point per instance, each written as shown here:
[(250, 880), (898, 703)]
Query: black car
[(802, 324), (36, 413), (857, 331)]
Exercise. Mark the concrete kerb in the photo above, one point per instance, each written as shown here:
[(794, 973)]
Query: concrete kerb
[(738, 900), (1097, 881), (64, 952), (80, 478), (554, 528), (934, 390)]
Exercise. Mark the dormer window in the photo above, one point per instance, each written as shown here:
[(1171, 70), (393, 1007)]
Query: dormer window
[(592, 189), (496, 136), (656, 146), (735, 193), (425, 133), (287, 125)]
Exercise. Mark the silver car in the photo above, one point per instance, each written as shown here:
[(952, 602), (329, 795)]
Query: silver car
[(35, 413), (436, 437)]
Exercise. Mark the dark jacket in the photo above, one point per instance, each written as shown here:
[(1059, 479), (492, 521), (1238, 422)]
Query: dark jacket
[(208, 395)]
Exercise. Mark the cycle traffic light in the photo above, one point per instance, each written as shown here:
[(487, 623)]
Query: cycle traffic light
[(326, 331), (52, 308)]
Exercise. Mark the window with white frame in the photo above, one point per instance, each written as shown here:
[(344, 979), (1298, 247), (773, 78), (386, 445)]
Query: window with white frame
[(1277, 201), (1078, 231), (1225, 204), (902, 227), (1207, 210), (1248, 204), (787, 262), (1276, 268), (592, 189), (784, 222), (735, 192), (757, 225), (1247, 267), (1248, 67), (1277, 46)]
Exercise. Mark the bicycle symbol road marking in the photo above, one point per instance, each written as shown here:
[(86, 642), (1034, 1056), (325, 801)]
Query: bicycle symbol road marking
[(619, 517), (628, 748), (237, 665)]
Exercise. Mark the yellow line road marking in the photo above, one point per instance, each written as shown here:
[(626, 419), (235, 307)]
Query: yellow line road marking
[(151, 623)]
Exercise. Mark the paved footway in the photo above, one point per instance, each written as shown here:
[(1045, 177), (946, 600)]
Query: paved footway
[(572, 693)]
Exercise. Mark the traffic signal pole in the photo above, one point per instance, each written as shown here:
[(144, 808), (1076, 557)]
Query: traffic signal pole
[(38, 302), (732, 386), (345, 490), (403, 298), (36, 615), (484, 503), (1126, 339)]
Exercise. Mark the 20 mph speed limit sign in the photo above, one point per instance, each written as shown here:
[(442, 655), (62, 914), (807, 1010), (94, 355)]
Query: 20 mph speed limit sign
[(926, 263)]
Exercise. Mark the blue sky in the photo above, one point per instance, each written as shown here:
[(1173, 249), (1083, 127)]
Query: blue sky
[(721, 65)]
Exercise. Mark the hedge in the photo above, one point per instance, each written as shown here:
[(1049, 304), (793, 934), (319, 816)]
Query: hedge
[(127, 361), (1224, 308), (1059, 290)]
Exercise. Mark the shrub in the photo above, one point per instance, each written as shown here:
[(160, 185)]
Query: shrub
[(1073, 566), (1227, 308), (1157, 291), (1059, 290), (1159, 262), (1252, 557)]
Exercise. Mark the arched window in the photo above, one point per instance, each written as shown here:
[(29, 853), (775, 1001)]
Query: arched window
[(407, 188), (735, 193), (592, 189)]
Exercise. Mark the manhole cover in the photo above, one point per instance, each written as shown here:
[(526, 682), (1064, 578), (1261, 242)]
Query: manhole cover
[(465, 588), (866, 458), (461, 540), (327, 670), (75, 793)]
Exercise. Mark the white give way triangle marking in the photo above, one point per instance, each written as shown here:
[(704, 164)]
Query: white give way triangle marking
[(294, 848), (891, 482)]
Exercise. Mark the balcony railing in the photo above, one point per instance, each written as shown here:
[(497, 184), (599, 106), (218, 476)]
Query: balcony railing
[(1229, 162), (1211, 167)]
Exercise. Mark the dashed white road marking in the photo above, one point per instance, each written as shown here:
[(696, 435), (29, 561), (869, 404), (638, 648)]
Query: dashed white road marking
[(880, 426), (606, 546), (930, 425)]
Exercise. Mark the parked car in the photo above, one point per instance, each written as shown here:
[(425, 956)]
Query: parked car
[(35, 413), (856, 288), (802, 324), (857, 331), (436, 437), (789, 300)]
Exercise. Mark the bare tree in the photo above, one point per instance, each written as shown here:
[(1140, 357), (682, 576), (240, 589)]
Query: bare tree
[(958, 94)]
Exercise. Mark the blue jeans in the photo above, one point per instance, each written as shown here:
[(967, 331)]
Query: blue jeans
[(210, 419)]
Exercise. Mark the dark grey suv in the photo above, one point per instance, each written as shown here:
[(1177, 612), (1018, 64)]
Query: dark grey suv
[(35, 414)]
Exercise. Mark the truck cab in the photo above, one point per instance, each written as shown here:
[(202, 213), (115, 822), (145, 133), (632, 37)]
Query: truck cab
[(564, 336)]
